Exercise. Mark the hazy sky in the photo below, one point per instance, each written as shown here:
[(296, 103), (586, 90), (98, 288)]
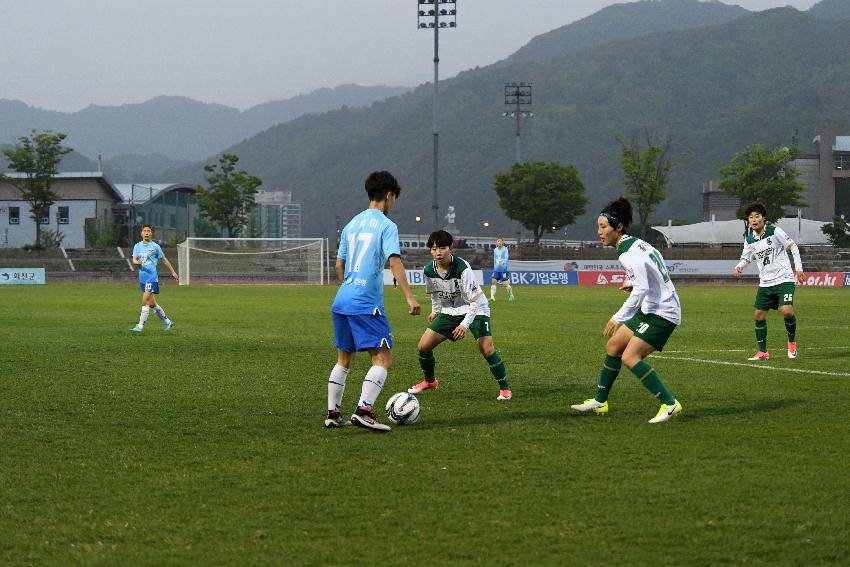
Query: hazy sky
[(67, 54)]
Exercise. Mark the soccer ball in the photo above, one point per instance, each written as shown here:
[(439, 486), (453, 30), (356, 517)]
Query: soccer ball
[(403, 408)]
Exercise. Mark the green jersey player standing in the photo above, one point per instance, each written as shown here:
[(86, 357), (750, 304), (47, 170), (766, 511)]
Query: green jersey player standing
[(458, 306), (644, 322), (768, 246)]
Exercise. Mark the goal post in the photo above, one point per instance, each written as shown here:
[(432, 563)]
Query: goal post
[(252, 260)]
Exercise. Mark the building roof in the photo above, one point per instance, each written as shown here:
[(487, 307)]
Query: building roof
[(139, 193), (77, 175), (842, 143), (802, 231)]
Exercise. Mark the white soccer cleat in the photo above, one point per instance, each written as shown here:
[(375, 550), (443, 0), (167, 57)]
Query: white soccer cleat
[(666, 412), (591, 405), (367, 421)]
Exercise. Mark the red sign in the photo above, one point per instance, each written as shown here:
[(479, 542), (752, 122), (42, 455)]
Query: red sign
[(823, 279), (601, 278)]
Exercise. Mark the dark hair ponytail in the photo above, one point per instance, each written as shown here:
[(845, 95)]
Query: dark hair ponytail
[(618, 212)]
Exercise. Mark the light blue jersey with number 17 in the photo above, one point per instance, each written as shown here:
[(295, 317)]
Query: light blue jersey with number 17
[(365, 245)]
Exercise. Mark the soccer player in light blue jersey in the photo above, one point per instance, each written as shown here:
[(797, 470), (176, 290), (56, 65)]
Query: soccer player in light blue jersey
[(146, 255), (500, 270), (360, 322)]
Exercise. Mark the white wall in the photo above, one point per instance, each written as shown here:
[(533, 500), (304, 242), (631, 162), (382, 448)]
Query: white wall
[(18, 235)]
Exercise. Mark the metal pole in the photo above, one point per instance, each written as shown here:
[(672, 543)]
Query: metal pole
[(518, 160), (435, 204)]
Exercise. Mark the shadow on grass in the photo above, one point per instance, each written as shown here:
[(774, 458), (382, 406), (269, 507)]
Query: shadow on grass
[(735, 408)]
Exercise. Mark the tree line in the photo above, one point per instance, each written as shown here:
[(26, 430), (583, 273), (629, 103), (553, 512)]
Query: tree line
[(542, 196)]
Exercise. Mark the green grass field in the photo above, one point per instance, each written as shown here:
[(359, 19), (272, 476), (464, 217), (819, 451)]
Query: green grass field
[(205, 445)]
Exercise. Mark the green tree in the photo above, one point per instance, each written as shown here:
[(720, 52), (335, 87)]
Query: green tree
[(37, 156), (838, 232), (229, 197), (645, 175), (543, 197), (759, 174)]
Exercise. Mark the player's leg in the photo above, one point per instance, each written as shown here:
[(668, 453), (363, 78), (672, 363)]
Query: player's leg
[(494, 285), (372, 333), (373, 383), (765, 300), (651, 333), (160, 312), (427, 362), (147, 296), (344, 343), (494, 360), (786, 308), (611, 364), (508, 288)]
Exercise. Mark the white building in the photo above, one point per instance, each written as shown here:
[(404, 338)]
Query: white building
[(82, 196)]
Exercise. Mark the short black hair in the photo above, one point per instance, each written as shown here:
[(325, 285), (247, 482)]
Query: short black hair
[(440, 238), (379, 182), (141, 228), (755, 207), (618, 212)]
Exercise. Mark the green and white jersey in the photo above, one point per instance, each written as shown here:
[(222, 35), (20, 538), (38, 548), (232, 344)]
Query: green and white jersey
[(652, 290), (453, 291), (769, 251)]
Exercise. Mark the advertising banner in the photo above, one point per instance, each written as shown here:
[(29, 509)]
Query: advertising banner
[(825, 279), (543, 278), (602, 278), (417, 277), (674, 267), (22, 276)]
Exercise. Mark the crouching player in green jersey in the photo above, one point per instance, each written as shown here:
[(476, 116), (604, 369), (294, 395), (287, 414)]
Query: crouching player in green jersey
[(458, 306), (644, 322), (768, 246)]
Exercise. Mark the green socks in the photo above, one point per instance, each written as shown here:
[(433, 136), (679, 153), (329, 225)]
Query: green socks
[(791, 327), (427, 362), (649, 378), (497, 368), (610, 368), (761, 334)]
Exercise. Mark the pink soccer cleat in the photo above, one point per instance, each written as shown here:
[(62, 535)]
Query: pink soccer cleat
[(423, 385), (505, 395), (792, 350), (759, 355)]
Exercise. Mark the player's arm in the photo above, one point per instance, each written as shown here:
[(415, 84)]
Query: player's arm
[(169, 266), (475, 297), (746, 258), (791, 246), (397, 269), (339, 268), (137, 261), (640, 286)]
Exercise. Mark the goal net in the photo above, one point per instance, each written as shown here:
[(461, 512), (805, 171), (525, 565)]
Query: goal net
[(252, 260)]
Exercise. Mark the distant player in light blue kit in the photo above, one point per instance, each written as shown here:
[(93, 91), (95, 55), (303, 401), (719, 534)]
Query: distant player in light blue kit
[(146, 255), (500, 270), (360, 322)]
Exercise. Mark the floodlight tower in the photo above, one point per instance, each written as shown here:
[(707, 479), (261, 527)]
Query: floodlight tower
[(518, 95), (429, 14)]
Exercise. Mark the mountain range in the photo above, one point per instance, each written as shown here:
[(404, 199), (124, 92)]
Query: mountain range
[(174, 128)]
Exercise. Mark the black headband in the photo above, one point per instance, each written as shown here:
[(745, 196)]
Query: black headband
[(612, 218)]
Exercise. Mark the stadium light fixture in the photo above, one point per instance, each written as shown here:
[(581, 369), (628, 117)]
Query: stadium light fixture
[(418, 230), (429, 16), (518, 95)]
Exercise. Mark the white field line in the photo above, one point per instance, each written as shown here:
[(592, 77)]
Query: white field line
[(741, 350), (759, 366)]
